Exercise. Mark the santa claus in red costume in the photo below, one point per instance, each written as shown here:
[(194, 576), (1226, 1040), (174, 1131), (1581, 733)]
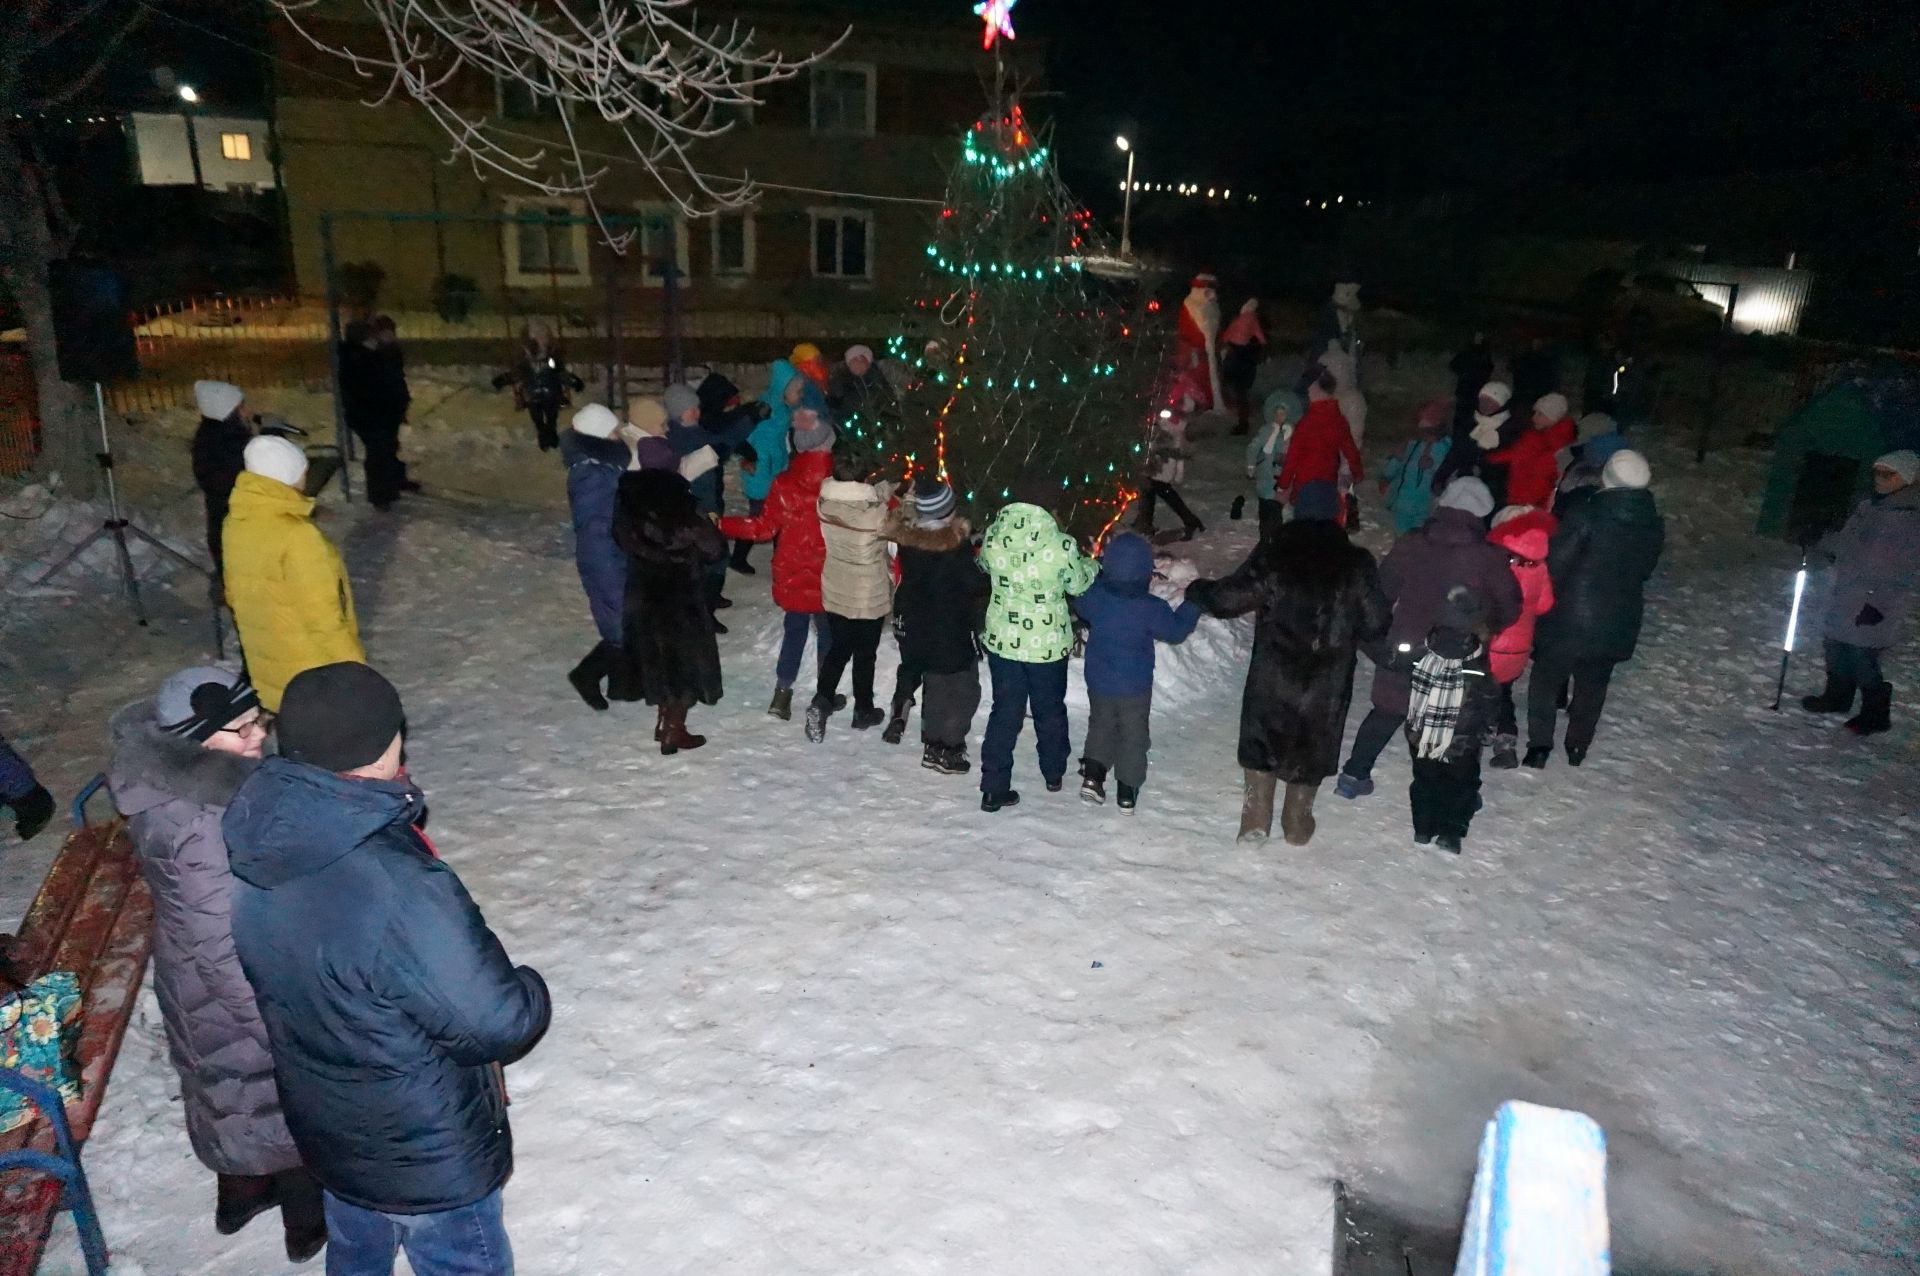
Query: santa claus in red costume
[(1196, 343)]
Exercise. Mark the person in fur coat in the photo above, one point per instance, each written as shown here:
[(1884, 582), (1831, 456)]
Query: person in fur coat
[(668, 640), (938, 611), (856, 589), (1316, 598), (178, 760), (1525, 533)]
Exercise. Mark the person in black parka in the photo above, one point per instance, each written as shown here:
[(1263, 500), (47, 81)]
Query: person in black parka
[(672, 655), (937, 610), (389, 1004), (219, 455), (374, 399), (1316, 598), (1606, 547)]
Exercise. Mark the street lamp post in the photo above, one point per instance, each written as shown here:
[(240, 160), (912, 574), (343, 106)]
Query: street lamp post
[(1126, 204), (189, 98)]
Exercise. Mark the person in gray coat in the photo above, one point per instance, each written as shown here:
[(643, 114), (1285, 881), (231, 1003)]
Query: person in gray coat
[(178, 760), (1876, 566)]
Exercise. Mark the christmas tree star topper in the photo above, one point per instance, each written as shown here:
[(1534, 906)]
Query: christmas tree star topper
[(998, 15)]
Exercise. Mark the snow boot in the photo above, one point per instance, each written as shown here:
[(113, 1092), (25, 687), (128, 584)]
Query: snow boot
[(868, 718), (1837, 697), (782, 706), (934, 758), (1537, 755), (1505, 753), (817, 714), (241, 1198), (1093, 783), (739, 561), (32, 812), (897, 725), (719, 628), (676, 737), (1448, 843), (1876, 712), (303, 1218), (948, 759), (1055, 783), (1576, 754), (1256, 806), (1296, 814), (1126, 797), (660, 726), (991, 802), (1352, 786), (593, 670)]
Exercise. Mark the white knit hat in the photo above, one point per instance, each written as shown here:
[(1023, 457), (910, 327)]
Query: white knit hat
[(1626, 468), (216, 399), (1469, 494), (1905, 463), (596, 421), (1554, 406), (1498, 391), (271, 456)]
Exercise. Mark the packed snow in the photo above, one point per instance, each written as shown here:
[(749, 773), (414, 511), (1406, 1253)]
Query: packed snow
[(816, 1013)]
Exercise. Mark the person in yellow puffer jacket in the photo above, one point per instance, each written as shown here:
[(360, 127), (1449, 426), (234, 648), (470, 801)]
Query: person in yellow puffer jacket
[(285, 581)]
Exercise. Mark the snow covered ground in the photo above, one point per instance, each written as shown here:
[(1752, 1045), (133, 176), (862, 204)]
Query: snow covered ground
[(816, 1013)]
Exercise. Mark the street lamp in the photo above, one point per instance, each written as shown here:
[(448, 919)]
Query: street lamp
[(190, 98), (1126, 207)]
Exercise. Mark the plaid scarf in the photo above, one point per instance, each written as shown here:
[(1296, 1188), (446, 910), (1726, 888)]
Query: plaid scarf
[(1433, 708)]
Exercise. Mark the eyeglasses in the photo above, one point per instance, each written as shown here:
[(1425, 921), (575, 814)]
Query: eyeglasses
[(256, 725)]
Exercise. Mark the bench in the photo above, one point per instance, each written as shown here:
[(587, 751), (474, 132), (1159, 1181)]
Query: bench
[(94, 917)]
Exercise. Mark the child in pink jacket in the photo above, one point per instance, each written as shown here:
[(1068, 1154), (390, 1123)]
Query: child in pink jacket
[(1524, 532)]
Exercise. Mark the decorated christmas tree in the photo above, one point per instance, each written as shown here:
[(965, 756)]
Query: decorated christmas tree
[(1021, 360)]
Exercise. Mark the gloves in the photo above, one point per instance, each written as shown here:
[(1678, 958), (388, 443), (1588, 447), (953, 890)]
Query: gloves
[(1869, 615)]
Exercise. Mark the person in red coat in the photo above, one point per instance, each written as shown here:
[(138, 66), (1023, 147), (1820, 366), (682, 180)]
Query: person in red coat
[(1320, 442), (1533, 467), (791, 520), (1525, 533)]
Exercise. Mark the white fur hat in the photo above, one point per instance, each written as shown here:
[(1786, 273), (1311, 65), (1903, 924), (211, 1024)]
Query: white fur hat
[(1554, 407), (1469, 494), (1626, 468), (271, 456), (1498, 391), (1905, 463), (217, 400), (596, 421)]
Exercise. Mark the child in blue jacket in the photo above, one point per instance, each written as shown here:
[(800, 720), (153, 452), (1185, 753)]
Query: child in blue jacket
[(1125, 620)]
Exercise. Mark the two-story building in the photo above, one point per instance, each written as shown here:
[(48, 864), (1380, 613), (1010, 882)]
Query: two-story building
[(851, 157)]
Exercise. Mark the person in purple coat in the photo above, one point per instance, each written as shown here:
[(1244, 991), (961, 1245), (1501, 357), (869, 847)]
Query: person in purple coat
[(1418, 574)]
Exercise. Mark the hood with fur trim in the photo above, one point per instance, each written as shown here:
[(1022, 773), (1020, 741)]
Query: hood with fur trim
[(151, 768)]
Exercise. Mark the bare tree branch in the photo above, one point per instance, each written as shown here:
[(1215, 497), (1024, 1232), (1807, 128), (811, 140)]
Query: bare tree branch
[(643, 67), (99, 64)]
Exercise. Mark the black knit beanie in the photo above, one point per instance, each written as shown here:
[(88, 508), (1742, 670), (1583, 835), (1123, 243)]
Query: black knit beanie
[(339, 717)]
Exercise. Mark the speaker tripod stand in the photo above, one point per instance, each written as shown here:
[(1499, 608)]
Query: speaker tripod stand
[(118, 527)]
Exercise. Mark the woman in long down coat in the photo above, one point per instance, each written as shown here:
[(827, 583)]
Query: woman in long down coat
[(1316, 598), (178, 760), (672, 655)]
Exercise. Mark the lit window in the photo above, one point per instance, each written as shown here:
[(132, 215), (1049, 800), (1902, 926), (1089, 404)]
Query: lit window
[(236, 146), (843, 100), (842, 239)]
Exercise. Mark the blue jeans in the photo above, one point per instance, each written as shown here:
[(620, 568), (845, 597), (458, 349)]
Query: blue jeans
[(1015, 686), (794, 641), (469, 1241)]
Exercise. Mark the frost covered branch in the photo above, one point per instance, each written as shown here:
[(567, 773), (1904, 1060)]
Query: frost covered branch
[(645, 68)]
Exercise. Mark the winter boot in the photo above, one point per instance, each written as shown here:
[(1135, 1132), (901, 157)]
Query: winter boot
[(1055, 783), (1876, 712), (1448, 842), (592, 671), (897, 725), (659, 726), (817, 714), (241, 1198), (1296, 814), (953, 759), (1836, 698), (676, 737), (933, 757), (782, 706), (1256, 807), (303, 1217), (739, 561), (869, 717), (1126, 797), (719, 628), (992, 802), (1576, 754), (32, 813), (1352, 786), (1093, 783), (1506, 754), (1537, 755)]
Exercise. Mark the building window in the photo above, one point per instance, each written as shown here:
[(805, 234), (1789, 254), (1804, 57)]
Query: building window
[(236, 146), (842, 243), (843, 99), (733, 244), (662, 236), (543, 246)]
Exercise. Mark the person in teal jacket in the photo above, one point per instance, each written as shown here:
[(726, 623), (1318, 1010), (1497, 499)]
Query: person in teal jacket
[(768, 444), (1267, 451), (1408, 485)]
